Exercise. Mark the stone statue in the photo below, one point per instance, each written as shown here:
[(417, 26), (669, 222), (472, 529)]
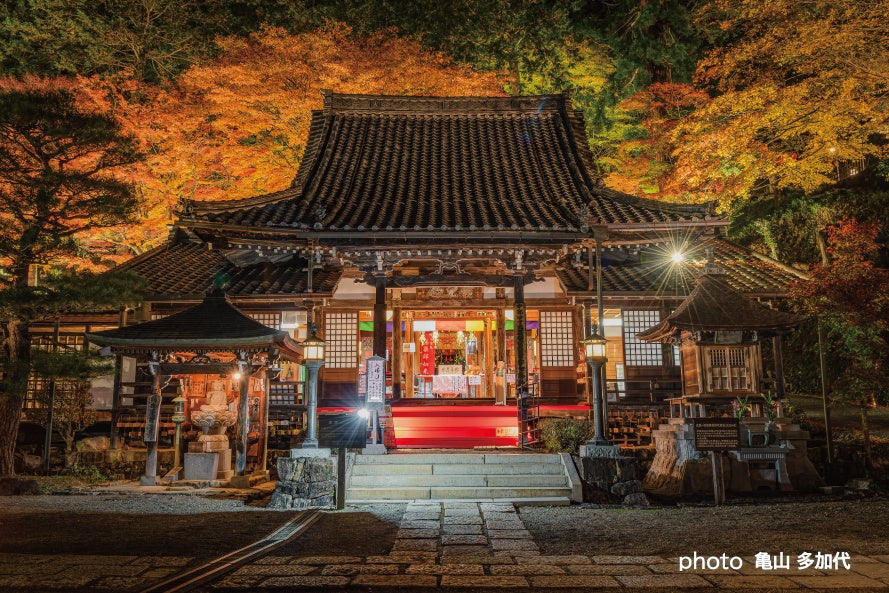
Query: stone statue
[(214, 416)]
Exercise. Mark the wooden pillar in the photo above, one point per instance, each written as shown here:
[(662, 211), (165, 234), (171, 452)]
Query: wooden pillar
[(580, 332), (152, 424), (114, 435), (409, 366), (397, 354), (501, 335), (380, 317), (489, 360), (777, 347), (266, 388), (243, 428), (521, 339)]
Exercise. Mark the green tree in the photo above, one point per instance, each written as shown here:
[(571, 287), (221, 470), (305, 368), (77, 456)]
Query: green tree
[(57, 179), (71, 371), (153, 39), (850, 295)]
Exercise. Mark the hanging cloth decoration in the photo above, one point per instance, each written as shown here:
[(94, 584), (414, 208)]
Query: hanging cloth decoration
[(427, 355)]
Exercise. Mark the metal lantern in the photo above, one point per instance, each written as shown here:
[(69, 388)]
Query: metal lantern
[(313, 348), (594, 348)]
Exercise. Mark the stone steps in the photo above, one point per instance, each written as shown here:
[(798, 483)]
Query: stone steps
[(474, 480), (466, 476)]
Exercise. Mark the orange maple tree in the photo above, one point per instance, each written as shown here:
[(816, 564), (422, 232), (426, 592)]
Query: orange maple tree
[(799, 89), (236, 127), (643, 165)]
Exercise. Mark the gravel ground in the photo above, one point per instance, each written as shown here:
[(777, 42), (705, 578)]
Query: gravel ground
[(858, 526), (114, 524), (139, 504)]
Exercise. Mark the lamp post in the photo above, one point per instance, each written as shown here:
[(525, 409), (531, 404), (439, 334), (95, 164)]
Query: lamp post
[(313, 353), (178, 419), (594, 354)]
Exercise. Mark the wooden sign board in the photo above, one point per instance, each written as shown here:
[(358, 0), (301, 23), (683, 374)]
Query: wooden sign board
[(376, 383), (342, 431), (716, 434), (152, 418)]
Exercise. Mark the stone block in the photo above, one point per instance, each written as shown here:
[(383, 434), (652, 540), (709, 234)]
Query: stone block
[(637, 499), (17, 486), (625, 488), (93, 444), (201, 466), (600, 451)]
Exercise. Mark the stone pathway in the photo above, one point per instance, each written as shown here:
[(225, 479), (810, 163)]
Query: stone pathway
[(68, 571), (450, 544), (466, 544)]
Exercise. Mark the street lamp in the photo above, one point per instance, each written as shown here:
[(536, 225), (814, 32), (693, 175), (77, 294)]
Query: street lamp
[(313, 354), (594, 354)]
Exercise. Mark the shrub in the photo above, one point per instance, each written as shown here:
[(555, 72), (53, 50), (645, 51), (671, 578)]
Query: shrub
[(565, 435)]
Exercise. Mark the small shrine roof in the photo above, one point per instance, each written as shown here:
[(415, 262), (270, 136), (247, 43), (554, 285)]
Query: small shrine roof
[(212, 324), (457, 164), (715, 306)]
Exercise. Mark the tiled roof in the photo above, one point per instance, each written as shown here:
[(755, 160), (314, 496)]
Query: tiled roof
[(745, 270), (213, 322), (457, 164), (180, 269), (715, 306)]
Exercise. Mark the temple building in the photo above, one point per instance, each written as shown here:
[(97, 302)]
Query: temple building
[(467, 240)]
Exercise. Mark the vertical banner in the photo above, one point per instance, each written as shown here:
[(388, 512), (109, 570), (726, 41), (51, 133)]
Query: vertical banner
[(152, 418), (427, 355)]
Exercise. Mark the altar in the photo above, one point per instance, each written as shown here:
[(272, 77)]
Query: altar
[(449, 385)]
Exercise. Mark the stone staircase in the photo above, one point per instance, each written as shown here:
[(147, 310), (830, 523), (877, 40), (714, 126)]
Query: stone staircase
[(517, 477)]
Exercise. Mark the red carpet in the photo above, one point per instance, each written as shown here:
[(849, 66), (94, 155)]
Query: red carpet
[(454, 427)]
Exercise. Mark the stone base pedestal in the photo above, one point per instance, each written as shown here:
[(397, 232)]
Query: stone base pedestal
[(149, 480), (212, 443), (604, 451), (612, 479), (305, 482), (378, 449), (201, 466), (313, 452)]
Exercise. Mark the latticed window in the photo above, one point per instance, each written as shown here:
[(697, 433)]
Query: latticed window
[(341, 335), (38, 386), (727, 369), (556, 339), (272, 320), (637, 352)]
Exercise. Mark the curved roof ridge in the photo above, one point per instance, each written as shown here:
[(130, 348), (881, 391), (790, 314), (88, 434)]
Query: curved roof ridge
[(188, 207), (474, 104)]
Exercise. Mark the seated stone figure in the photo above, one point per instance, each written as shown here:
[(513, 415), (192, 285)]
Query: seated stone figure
[(214, 416)]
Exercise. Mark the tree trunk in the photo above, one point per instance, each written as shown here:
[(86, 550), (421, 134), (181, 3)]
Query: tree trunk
[(865, 428), (516, 75), (822, 247), (18, 351)]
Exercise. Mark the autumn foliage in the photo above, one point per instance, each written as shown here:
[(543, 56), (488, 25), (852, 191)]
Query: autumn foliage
[(644, 165), (850, 296), (236, 127)]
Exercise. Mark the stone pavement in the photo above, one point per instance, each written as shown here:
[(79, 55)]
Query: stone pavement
[(486, 545), (97, 572), (450, 544)]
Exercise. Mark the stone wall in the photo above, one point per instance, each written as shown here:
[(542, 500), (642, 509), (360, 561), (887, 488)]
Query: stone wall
[(305, 482), (613, 480)]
